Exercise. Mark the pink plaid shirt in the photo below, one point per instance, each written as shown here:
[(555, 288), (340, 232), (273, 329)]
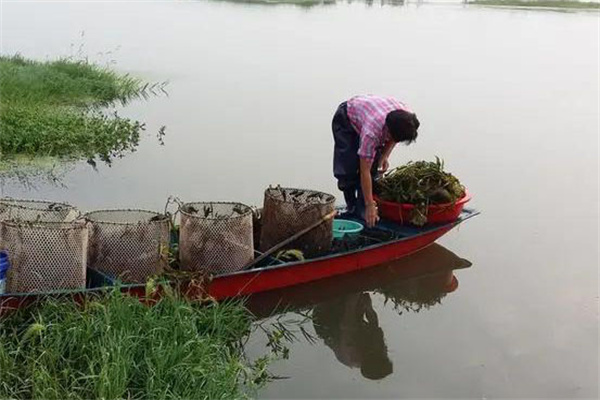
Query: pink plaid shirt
[(367, 116)]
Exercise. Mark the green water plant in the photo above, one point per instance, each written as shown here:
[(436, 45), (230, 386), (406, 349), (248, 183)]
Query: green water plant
[(421, 183)]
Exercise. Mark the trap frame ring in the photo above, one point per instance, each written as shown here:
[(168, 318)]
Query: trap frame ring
[(247, 210), (26, 204), (86, 216), (55, 226), (269, 192)]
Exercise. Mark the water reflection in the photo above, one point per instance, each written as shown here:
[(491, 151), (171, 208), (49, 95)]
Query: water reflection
[(342, 311), (350, 327), (31, 173), (419, 281), (418, 294)]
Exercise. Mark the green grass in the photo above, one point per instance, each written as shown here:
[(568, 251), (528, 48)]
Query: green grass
[(299, 3), (63, 82), (59, 109), (562, 4), (116, 347)]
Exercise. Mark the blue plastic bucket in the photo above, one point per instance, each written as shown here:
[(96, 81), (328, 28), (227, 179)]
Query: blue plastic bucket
[(3, 262), (3, 269), (344, 227)]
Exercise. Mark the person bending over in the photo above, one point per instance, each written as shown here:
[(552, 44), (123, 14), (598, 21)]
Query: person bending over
[(365, 130)]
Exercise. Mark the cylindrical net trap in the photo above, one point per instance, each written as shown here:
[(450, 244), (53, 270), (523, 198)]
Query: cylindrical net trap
[(215, 237), (131, 245), (287, 211), (45, 256)]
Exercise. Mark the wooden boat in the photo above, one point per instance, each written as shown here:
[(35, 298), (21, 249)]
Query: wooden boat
[(387, 242), (402, 241)]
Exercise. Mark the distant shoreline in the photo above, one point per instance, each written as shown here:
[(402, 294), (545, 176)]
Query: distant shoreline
[(549, 4)]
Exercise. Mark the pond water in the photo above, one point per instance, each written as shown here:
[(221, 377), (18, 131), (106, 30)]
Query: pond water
[(509, 98)]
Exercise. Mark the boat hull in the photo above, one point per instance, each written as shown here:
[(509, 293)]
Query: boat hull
[(265, 279)]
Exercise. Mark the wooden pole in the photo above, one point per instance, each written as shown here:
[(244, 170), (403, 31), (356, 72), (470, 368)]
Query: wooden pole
[(278, 246)]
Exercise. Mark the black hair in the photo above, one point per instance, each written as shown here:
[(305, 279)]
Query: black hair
[(375, 363), (402, 126)]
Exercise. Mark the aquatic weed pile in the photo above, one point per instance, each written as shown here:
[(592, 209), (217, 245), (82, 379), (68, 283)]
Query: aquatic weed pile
[(420, 183), (116, 347)]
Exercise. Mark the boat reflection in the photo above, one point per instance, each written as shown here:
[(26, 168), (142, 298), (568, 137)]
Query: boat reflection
[(342, 311), (419, 278)]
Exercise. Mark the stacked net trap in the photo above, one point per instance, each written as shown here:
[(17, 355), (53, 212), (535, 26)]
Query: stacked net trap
[(47, 246), (287, 211), (131, 245), (215, 237)]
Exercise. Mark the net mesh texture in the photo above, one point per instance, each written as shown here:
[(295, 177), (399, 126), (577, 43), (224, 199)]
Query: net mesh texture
[(47, 247), (215, 237), (45, 256), (36, 211), (131, 245), (286, 211)]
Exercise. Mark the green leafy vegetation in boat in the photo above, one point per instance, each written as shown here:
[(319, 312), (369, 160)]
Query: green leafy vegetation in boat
[(114, 347), (59, 109), (421, 183)]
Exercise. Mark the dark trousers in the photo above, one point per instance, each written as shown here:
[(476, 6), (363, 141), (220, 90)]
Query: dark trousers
[(346, 163)]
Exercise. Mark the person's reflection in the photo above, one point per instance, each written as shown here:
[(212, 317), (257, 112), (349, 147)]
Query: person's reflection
[(350, 327)]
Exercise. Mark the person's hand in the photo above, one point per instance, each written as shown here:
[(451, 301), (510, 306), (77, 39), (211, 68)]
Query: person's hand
[(384, 165), (371, 215)]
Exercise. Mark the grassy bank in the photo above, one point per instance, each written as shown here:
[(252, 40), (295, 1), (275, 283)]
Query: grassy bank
[(59, 109), (556, 4), (116, 347)]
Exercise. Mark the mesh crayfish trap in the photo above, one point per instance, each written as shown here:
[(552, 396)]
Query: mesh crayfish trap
[(286, 211), (36, 211), (131, 245), (45, 256), (215, 237)]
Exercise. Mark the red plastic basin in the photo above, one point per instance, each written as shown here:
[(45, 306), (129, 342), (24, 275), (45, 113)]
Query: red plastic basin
[(436, 213)]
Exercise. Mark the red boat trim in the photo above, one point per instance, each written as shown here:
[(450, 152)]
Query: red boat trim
[(290, 274), (470, 214)]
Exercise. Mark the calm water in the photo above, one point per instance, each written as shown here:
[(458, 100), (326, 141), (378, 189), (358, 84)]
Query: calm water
[(508, 98)]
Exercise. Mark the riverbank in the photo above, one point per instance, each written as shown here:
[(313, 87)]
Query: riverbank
[(116, 347), (62, 109), (539, 4), (549, 4)]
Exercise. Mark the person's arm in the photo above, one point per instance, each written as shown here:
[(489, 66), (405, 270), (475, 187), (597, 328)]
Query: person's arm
[(384, 164), (371, 215)]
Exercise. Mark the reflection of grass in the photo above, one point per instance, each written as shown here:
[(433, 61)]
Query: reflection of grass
[(29, 171), (54, 108), (566, 4)]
